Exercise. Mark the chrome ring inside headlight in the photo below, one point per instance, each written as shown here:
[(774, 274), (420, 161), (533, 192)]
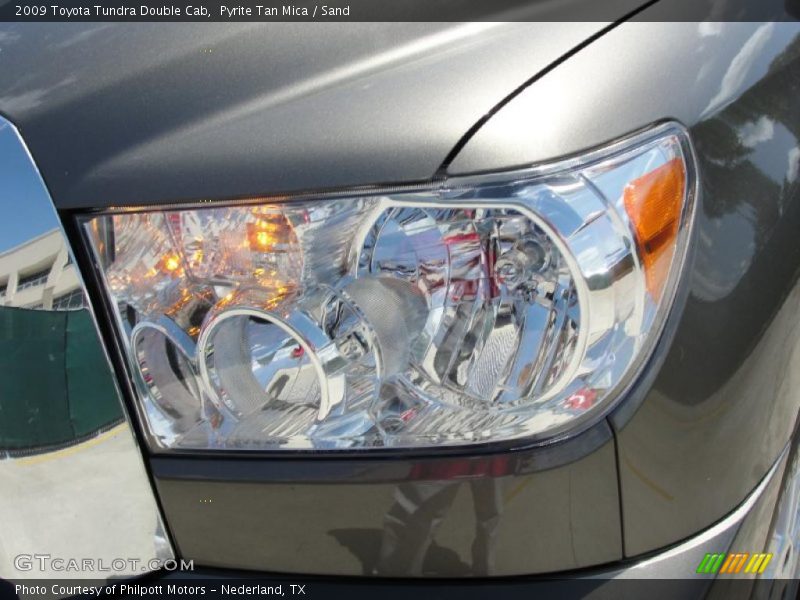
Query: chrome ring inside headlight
[(164, 357), (502, 302), (253, 357), (489, 308)]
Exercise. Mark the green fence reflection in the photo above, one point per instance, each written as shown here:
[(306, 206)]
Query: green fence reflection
[(55, 384)]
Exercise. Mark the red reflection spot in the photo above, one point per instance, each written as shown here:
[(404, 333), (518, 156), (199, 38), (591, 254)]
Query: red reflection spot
[(583, 399)]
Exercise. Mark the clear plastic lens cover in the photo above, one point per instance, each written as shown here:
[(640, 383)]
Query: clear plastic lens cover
[(486, 309)]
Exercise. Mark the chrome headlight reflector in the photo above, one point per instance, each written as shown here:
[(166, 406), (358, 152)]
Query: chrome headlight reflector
[(488, 308)]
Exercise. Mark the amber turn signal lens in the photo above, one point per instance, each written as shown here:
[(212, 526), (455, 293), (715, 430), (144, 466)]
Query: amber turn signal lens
[(654, 203)]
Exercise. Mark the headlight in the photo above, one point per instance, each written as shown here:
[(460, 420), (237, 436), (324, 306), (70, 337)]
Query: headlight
[(513, 305)]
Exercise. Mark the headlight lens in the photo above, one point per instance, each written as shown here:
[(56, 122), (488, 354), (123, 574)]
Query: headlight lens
[(513, 305)]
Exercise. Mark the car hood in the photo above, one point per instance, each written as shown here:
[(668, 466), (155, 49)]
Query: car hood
[(158, 113)]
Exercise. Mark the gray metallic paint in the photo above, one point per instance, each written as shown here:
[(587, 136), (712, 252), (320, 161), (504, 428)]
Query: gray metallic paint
[(552, 520), (156, 113), (644, 72)]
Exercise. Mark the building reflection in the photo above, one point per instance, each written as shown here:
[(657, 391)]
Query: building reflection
[(73, 482), (38, 274), (55, 394)]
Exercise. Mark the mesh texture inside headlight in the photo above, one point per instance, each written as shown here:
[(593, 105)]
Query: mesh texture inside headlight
[(514, 305)]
